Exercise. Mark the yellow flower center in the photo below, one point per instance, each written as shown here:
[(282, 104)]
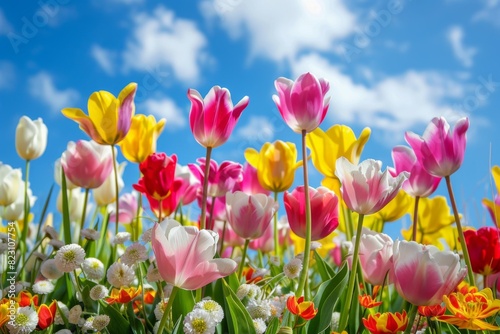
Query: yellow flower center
[(210, 306), (22, 319), (70, 256), (199, 325)]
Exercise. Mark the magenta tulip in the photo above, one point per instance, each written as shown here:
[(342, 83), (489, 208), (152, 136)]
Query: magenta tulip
[(185, 255), (221, 179), (250, 183), (212, 119), (250, 215), (302, 104), (365, 189), (440, 150), (422, 274), (87, 164), (324, 210)]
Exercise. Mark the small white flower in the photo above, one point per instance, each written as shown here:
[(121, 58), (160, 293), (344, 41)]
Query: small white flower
[(119, 274), (212, 307), (156, 327), (93, 269), (335, 321), (121, 238), (74, 314), (100, 322), (87, 324), (275, 260), (90, 234), (49, 269), (146, 236), (159, 308), (260, 326), (259, 309), (277, 306), (315, 245), (69, 257), (134, 254), (292, 269), (63, 331), (199, 321), (98, 292), (243, 291), (58, 319), (25, 321), (153, 274), (43, 287)]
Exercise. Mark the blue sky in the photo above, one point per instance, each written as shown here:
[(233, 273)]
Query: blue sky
[(392, 66)]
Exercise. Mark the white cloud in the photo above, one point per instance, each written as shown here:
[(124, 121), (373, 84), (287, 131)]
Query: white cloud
[(105, 58), (165, 108), (41, 87), (490, 12), (280, 29), (7, 75), (162, 40), (258, 129), (464, 54), (394, 104), (5, 26)]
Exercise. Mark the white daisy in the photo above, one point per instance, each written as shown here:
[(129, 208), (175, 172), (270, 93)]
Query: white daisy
[(119, 274), (292, 269), (199, 321), (134, 254), (25, 321), (98, 292), (160, 308), (63, 331), (69, 257), (93, 269), (90, 234), (74, 314), (121, 238), (260, 326), (258, 309), (49, 269), (146, 236), (243, 291), (87, 324), (43, 287), (100, 322), (212, 307)]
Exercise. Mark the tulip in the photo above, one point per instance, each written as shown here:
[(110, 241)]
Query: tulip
[(86, 163), (31, 138), (106, 193), (327, 146), (221, 179), (58, 176), (166, 206), (375, 256), (324, 209), (158, 172), (250, 183), (423, 274), (439, 150), (190, 185), (432, 310), (365, 189), (250, 215), (212, 119), (419, 183), (46, 314), (264, 243), (216, 207), (15, 211), (275, 163), (484, 249), (184, 255), (386, 323), (493, 207), (302, 104), (109, 118), (128, 209), (304, 309), (140, 141), (10, 181)]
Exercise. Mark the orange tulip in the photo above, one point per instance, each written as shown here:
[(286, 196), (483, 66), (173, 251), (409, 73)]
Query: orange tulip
[(386, 323), (299, 307)]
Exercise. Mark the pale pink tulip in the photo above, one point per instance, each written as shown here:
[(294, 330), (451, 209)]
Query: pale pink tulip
[(420, 183), (302, 104), (128, 209), (422, 274), (185, 255), (324, 210), (87, 164), (365, 189), (221, 179), (440, 150), (265, 243), (212, 119), (250, 215)]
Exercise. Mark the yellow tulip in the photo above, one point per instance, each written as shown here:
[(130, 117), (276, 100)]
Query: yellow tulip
[(109, 118), (396, 208), (494, 206), (275, 163), (327, 147), (327, 243), (141, 139)]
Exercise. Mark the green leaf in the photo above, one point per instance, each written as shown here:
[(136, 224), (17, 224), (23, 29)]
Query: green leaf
[(238, 319), (327, 296), (183, 303), (117, 323), (178, 327), (135, 324), (65, 210), (453, 329), (325, 271), (273, 326)]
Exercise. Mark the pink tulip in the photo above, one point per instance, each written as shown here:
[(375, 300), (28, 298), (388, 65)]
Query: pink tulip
[(221, 179), (422, 274), (87, 164), (324, 210), (231, 239), (250, 215), (217, 213), (250, 183), (190, 185), (365, 189), (439, 150), (375, 256), (420, 183), (128, 209), (185, 255), (265, 243), (212, 119), (302, 103)]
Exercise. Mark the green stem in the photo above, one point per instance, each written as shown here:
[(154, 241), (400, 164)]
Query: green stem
[(167, 310), (205, 190), (24, 233), (117, 188), (352, 277), (307, 247), (84, 212), (411, 318), (460, 232), (223, 235), (243, 257), (275, 231), (415, 219)]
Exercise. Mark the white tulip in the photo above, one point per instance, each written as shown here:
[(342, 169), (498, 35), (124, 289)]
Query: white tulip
[(31, 138)]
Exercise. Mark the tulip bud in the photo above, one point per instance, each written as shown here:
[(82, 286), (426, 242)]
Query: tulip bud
[(31, 138)]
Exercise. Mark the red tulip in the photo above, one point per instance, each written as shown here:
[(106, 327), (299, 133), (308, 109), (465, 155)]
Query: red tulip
[(484, 249), (158, 172)]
